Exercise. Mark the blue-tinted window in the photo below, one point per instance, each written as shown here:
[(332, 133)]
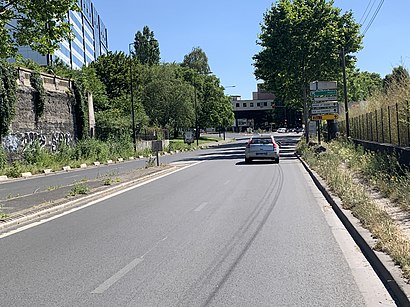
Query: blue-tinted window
[(77, 48), (78, 62), (88, 36), (65, 51), (88, 59), (76, 21), (89, 49)]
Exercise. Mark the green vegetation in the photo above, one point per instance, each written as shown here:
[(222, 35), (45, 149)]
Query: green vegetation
[(2, 215), (178, 144), (36, 158), (8, 95), (39, 25), (352, 174), (40, 94), (301, 42), (146, 47), (79, 188)]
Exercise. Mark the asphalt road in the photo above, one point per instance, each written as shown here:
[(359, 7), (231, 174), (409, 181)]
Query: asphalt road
[(218, 232)]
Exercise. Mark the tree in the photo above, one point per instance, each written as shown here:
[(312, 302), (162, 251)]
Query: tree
[(146, 47), (113, 69), (167, 98), (197, 60), (363, 84), (38, 24), (399, 77), (215, 108), (301, 42)]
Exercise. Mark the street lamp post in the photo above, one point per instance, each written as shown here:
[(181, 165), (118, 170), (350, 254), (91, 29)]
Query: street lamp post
[(196, 119), (134, 139), (224, 89)]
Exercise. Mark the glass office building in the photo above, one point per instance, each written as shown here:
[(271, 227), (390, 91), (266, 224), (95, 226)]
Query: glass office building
[(89, 43)]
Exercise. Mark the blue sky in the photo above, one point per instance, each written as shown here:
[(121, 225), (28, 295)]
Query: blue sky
[(227, 31)]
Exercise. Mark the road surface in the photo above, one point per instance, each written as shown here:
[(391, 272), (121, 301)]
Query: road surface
[(218, 232)]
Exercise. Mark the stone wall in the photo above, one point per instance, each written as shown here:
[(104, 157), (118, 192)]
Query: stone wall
[(56, 125)]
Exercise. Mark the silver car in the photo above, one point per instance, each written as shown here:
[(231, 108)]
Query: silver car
[(262, 147)]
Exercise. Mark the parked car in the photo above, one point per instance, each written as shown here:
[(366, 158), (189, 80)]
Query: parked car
[(262, 147), (281, 130)]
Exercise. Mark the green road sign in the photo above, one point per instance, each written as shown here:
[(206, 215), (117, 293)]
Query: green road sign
[(324, 93)]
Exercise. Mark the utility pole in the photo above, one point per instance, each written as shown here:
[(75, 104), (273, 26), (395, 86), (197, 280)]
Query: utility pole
[(134, 139), (345, 93)]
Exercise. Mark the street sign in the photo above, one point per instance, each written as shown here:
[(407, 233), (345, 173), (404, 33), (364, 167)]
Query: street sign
[(326, 98), (323, 85), (326, 107), (325, 117), (329, 104), (325, 93), (325, 111)]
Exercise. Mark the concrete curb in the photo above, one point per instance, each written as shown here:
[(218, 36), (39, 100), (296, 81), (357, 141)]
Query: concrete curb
[(33, 215), (391, 283)]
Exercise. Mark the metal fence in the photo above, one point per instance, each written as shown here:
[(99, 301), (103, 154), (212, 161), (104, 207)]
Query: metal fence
[(390, 124)]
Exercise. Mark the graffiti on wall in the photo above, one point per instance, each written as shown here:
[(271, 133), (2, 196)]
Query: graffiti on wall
[(17, 142)]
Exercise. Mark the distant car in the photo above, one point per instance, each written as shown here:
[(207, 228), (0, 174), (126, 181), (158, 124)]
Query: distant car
[(299, 130), (281, 130), (262, 147)]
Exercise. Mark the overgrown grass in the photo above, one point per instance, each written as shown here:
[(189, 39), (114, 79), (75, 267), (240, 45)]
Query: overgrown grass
[(36, 158), (349, 172), (178, 144)]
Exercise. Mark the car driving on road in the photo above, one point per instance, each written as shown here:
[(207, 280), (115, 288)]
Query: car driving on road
[(262, 147)]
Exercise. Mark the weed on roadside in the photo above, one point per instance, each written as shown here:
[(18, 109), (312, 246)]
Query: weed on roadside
[(79, 188), (52, 188), (110, 181), (2, 214), (150, 161), (340, 166)]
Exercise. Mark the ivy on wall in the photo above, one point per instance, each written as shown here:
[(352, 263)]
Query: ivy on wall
[(8, 96), (39, 95), (81, 108)]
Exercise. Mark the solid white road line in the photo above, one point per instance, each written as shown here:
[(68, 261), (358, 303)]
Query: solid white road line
[(12, 232), (121, 273), (117, 276), (200, 207)]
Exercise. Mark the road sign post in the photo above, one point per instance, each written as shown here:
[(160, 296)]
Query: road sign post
[(325, 106)]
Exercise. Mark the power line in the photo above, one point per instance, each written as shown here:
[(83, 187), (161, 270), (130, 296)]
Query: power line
[(365, 11), (374, 16)]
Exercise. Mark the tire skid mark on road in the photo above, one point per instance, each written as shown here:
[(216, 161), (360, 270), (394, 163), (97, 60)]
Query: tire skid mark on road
[(221, 259)]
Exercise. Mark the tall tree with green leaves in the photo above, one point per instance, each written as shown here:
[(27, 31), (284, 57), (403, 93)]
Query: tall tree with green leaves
[(215, 108), (197, 60), (362, 84), (113, 70), (36, 23), (301, 42), (399, 77), (146, 47), (168, 98)]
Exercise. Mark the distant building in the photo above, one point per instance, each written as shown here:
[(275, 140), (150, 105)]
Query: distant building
[(91, 39), (256, 113)]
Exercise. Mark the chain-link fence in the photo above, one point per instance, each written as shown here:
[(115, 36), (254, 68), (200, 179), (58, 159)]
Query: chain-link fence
[(390, 124)]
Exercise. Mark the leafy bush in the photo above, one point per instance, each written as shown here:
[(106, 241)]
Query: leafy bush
[(91, 150)]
